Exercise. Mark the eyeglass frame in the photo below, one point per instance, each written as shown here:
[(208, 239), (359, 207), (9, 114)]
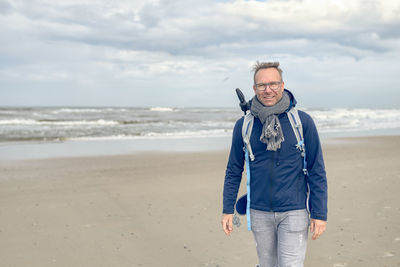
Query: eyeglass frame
[(266, 85)]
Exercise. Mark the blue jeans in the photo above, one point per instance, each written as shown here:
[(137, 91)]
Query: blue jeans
[(281, 237)]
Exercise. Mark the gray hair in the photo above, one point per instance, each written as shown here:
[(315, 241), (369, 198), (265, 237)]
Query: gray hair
[(266, 65)]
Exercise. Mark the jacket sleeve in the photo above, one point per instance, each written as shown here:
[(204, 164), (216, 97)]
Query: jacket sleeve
[(234, 169), (317, 182)]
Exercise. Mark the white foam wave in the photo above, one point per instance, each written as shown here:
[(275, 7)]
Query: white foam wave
[(96, 122), (18, 122), (63, 123), (336, 120), (162, 109), (219, 124), (86, 110), (332, 114)]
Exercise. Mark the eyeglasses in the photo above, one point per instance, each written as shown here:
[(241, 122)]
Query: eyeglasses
[(263, 86)]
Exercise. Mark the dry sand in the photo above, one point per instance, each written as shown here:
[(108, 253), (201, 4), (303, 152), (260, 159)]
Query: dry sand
[(164, 209)]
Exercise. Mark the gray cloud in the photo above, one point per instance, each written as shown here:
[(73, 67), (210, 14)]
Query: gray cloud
[(188, 45), (5, 7), (191, 27)]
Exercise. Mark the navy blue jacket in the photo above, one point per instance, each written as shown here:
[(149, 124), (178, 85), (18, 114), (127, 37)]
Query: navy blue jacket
[(277, 181)]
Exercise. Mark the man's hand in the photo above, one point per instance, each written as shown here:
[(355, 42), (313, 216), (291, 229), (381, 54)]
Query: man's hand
[(227, 225), (317, 227)]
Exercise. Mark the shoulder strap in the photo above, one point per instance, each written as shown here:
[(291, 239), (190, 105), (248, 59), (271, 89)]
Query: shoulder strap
[(297, 127), (247, 127), (295, 121)]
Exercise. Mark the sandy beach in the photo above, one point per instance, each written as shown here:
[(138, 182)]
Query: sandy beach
[(164, 209)]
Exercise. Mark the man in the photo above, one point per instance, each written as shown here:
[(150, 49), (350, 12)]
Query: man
[(278, 200)]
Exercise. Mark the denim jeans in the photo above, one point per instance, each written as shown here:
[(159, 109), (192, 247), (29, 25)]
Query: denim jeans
[(281, 237)]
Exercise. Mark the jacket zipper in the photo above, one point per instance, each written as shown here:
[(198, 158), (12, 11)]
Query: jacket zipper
[(271, 179)]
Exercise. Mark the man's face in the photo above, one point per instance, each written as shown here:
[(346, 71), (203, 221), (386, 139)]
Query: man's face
[(268, 97)]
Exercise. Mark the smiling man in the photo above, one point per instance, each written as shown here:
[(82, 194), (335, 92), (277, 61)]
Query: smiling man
[(268, 78), (288, 180)]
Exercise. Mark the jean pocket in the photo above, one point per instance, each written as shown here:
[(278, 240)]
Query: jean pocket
[(261, 221), (298, 220)]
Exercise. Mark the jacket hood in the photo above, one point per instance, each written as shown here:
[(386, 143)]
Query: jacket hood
[(293, 101)]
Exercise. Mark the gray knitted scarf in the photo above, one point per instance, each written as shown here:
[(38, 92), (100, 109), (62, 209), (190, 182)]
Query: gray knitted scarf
[(271, 134)]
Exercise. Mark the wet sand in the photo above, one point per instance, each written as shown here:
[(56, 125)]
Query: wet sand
[(164, 209)]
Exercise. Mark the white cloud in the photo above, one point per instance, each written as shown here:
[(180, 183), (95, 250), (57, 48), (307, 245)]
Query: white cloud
[(191, 47)]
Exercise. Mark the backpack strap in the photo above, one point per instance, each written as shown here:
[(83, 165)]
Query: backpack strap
[(248, 189), (295, 121), (297, 127), (246, 133), (247, 128)]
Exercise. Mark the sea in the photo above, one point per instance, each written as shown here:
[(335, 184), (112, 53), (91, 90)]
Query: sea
[(37, 132)]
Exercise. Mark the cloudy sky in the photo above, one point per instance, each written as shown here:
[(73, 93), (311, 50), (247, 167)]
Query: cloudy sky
[(184, 53)]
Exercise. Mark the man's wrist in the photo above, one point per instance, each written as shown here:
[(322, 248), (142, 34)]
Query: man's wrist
[(318, 217)]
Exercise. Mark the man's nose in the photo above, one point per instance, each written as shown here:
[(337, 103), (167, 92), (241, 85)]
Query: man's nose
[(268, 90)]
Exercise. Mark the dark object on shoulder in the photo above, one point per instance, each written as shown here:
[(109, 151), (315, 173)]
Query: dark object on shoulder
[(244, 105)]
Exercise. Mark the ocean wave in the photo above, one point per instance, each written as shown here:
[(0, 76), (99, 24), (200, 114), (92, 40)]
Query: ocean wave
[(219, 124), (336, 120), (100, 138), (342, 113), (87, 110), (126, 122), (18, 122), (162, 109), (182, 134), (166, 122), (56, 122), (156, 135)]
